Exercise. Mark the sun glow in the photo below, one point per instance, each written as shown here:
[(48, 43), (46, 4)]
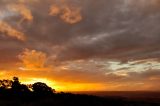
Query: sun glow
[(33, 80), (64, 86)]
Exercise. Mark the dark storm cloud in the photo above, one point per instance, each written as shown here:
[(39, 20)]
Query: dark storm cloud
[(112, 33), (109, 28)]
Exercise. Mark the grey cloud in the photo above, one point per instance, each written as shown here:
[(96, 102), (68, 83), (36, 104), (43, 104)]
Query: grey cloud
[(110, 29)]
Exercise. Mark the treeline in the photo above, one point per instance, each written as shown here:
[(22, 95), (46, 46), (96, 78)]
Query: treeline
[(13, 93), (15, 88)]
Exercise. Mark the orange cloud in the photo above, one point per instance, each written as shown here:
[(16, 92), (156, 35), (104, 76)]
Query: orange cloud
[(71, 15), (8, 30), (55, 10), (23, 10), (24, 1), (33, 60)]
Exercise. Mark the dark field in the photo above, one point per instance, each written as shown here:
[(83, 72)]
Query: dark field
[(126, 94), (133, 96), (13, 93), (85, 99)]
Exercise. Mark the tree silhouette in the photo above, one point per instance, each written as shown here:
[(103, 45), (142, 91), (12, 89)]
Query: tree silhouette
[(13, 93), (5, 84), (15, 88), (42, 88), (18, 88)]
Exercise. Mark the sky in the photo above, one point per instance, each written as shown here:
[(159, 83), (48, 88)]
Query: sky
[(82, 45)]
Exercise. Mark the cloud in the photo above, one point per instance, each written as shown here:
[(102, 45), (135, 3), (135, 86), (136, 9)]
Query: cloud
[(115, 34), (71, 16), (125, 33), (33, 60), (54, 10), (68, 14), (8, 30), (23, 10)]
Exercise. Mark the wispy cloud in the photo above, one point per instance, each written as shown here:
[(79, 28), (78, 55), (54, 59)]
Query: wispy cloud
[(23, 10), (8, 30), (69, 14)]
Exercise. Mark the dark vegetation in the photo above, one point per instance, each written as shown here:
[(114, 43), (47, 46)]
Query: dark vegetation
[(13, 93)]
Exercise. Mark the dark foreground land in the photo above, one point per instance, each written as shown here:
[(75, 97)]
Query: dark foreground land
[(68, 99), (13, 93)]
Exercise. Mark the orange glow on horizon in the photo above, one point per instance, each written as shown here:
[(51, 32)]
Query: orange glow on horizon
[(65, 86)]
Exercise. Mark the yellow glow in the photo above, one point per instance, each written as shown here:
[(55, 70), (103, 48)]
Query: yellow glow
[(44, 80), (66, 86)]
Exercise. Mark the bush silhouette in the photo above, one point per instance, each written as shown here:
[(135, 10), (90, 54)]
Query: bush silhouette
[(41, 88)]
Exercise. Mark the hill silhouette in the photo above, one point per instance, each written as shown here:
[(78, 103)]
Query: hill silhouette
[(13, 93)]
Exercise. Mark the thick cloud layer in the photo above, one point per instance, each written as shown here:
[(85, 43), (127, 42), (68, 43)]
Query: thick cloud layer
[(76, 35)]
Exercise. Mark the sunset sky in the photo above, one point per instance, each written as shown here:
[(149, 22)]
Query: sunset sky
[(82, 45)]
